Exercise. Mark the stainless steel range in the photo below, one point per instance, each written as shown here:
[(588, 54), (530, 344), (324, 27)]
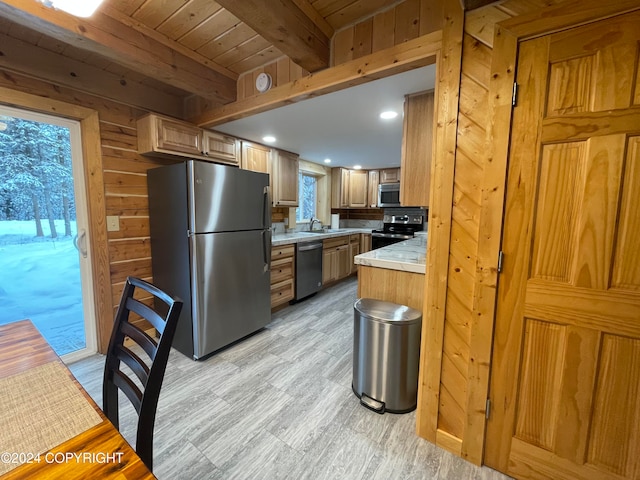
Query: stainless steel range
[(399, 224)]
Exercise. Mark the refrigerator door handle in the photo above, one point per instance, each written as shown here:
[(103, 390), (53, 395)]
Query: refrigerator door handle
[(266, 249), (266, 216)]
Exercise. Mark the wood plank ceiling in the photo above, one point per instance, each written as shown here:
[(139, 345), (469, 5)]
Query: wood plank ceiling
[(163, 51)]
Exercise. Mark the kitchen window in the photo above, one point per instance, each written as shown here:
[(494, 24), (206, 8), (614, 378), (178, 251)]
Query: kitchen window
[(307, 197)]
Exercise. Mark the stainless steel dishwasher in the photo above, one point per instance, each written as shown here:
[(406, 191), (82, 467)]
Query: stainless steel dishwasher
[(308, 268)]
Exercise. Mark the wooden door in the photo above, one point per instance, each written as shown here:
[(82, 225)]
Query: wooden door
[(565, 384)]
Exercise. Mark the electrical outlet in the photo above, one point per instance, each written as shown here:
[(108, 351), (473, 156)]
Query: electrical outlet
[(113, 223)]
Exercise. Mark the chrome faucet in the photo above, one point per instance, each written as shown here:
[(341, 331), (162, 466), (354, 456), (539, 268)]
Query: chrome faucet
[(311, 222)]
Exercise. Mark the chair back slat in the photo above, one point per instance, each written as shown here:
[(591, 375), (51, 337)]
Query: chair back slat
[(147, 313), (134, 362), (130, 389), (148, 344), (145, 399)]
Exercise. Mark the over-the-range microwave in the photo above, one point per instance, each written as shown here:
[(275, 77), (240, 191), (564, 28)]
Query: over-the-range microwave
[(389, 195)]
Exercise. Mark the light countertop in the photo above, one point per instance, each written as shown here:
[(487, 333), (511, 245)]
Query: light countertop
[(297, 237), (407, 256)]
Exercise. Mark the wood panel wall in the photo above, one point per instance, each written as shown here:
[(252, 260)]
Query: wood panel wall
[(392, 26), (282, 71), (452, 413), (405, 21)]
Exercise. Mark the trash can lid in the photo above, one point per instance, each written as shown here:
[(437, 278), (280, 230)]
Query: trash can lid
[(386, 311)]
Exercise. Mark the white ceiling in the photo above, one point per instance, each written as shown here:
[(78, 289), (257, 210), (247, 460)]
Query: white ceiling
[(343, 126)]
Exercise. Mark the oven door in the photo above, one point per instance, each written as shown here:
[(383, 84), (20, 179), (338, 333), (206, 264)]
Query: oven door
[(379, 240)]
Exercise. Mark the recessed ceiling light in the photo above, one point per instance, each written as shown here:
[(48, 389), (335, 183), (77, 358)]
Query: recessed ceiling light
[(357, 167), (327, 160), (269, 138), (388, 115)]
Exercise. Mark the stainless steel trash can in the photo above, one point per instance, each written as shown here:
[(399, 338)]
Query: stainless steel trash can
[(386, 354)]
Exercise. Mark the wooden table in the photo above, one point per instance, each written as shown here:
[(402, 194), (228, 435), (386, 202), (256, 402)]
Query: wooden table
[(100, 451)]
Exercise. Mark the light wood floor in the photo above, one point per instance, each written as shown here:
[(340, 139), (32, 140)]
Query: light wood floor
[(279, 405)]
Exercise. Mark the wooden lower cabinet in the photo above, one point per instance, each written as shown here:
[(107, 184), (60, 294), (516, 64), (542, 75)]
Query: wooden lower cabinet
[(336, 259), (365, 242), (396, 286), (282, 274), (329, 266), (354, 249)]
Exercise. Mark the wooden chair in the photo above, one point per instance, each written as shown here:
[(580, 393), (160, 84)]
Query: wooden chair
[(164, 318)]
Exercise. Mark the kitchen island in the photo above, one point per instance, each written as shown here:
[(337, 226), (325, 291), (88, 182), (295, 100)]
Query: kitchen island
[(394, 273)]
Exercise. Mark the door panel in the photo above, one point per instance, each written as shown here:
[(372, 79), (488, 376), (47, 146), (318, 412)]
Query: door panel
[(565, 383), (626, 264)]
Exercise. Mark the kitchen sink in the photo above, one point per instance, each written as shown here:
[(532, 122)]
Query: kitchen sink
[(322, 232)]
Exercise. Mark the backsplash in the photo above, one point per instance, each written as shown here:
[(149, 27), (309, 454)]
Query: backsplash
[(354, 223)]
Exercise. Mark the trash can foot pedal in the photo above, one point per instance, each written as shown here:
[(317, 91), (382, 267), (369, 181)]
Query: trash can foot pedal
[(372, 404)]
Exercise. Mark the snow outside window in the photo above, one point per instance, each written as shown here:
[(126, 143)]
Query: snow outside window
[(307, 197)]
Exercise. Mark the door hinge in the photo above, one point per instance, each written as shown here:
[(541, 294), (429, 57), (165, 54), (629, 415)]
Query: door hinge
[(487, 410), (514, 94), (500, 260)]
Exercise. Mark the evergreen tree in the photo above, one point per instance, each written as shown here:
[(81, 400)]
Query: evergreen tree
[(35, 171)]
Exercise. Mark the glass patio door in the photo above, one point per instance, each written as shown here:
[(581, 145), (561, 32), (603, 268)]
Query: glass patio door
[(45, 273)]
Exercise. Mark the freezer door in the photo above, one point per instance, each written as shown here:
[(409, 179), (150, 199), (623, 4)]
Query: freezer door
[(231, 287), (226, 199)]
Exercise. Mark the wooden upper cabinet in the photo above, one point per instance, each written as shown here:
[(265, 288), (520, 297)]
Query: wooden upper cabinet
[(349, 188), (340, 187), (178, 137), (390, 175), (219, 146), (358, 193), (256, 157), (285, 179), (417, 146), (164, 136), (372, 187)]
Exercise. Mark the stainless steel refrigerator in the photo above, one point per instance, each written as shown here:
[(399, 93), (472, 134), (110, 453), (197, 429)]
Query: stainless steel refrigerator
[(211, 245)]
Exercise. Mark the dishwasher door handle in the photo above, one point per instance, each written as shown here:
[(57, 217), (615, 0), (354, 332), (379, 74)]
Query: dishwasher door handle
[(306, 248)]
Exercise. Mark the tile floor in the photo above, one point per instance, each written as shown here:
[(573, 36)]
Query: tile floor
[(279, 405)]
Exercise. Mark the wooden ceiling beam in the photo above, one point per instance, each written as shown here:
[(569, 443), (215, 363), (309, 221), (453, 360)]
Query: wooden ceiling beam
[(473, 4), (22, 57), (291, 26), (121, 44), (400, 58)]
